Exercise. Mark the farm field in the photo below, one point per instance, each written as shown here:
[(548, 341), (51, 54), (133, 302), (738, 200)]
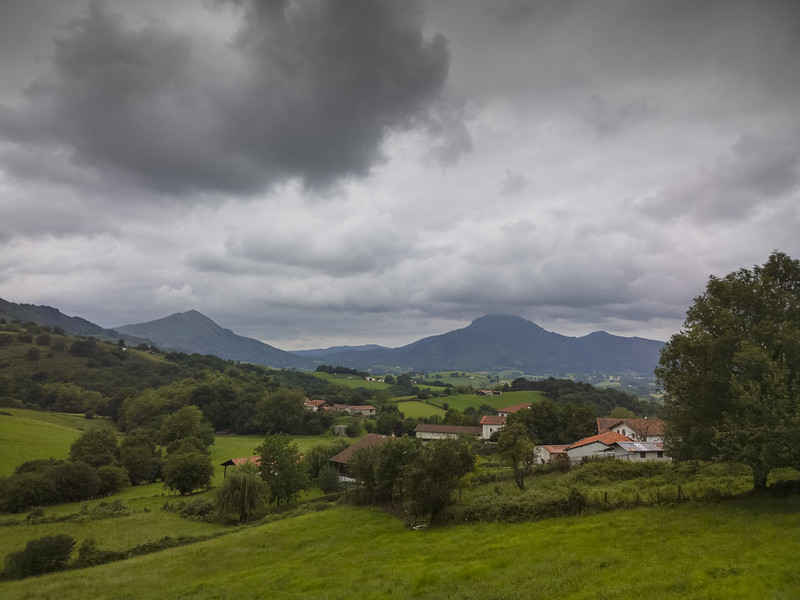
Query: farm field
[(350, 381), (415, 409), (30, 435), (742, 548), (462, 401)]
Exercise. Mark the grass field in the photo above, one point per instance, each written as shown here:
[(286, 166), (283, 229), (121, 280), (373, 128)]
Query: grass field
[(462, 401), (415, 409), (351, 381), (744, 548), (29, 435)]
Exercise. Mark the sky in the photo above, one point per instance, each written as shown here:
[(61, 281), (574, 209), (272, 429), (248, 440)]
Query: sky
[(313, 173)]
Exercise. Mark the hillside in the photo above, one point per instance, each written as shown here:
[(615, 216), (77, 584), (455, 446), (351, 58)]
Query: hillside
[(193, 332), (739, 549), (52, 317)]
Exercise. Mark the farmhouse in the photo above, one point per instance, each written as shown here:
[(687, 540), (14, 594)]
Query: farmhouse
[(596, 446), (510, 410), (353, 409), (427, 432), (639, 430), (639, 452), (488, 393), (315, 405), (490, 424)]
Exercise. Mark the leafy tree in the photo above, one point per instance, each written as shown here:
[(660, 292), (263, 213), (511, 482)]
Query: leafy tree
[(112, 479), (433, 476), (282, 412), (243, 493), (186, 422), (281, 467), (42, 555), (731, 376), (186, 472), (319, 456), (381, 468), (515, 445), (96, 446), (328, 479), (75, 481), (140, 458)]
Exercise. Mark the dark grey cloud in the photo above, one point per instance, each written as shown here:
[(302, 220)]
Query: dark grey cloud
[(308, 90)]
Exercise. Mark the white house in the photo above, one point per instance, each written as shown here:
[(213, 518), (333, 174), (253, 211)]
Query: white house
[(490, 424), (639, 452), (596, 446), (427, 432)]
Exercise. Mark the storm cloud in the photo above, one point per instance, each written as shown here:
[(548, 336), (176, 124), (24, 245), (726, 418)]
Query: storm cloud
[(316, 173)]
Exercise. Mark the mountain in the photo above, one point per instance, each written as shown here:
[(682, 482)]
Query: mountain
[(47, 315), (193, 332), (503, 342)]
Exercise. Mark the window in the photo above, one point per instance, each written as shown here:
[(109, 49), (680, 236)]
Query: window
[(642, 454), (660, 455)]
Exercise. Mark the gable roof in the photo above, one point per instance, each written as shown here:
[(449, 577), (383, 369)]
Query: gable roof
[(256, 460), (493, 420), (608, 438), (453, 429), (556, 448), (371, 439), (641, 427)]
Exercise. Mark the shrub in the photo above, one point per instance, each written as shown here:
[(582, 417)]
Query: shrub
[(328, 479), (42, 555)]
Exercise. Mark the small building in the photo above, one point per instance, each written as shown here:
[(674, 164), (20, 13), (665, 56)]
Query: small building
[(314, 405), (340, 430), (365, 411), (510, 410), (595, 446), (490, 424), (427, 432), (489, 393), (550, 452), (639, 452)]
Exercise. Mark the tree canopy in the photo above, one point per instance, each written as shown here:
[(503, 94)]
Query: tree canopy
[(731, 375)]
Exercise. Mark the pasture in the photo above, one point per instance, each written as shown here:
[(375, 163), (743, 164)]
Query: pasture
[(415, 409), (463, 401), (742, 548)]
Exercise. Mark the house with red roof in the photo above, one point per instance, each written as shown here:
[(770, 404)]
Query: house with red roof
[(639, 430), (595, 446), (490, 424), (315, 405), (550, 452)]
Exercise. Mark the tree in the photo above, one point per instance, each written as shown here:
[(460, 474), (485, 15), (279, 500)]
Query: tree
[(281, 467), (243, 493), (433, 476), (282, 412), (96, 446), (731, 376), (515, 445), (188, 421), (186, 472)]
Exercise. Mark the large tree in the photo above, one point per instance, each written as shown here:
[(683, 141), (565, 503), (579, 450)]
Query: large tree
[(281, 467), (243, 493), (516, 446), (731, 376)]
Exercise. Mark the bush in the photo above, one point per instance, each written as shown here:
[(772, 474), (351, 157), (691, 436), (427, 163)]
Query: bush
[(328, 479), (42, 555)]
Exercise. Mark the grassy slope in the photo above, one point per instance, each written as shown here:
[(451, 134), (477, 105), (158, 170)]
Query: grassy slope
[(415, 409), (746, 548), (29, 435), (462, 401)]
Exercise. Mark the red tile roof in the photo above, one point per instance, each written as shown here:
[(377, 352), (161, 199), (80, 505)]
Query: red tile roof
[(556, 448), (641, 427), (241, 460), (608, 438), (492, 420), (371, 439)]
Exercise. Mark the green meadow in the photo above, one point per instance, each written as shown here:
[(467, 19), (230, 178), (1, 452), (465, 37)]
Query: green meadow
[(415, 409), (463, 401), (351, 381), (743, 548)]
